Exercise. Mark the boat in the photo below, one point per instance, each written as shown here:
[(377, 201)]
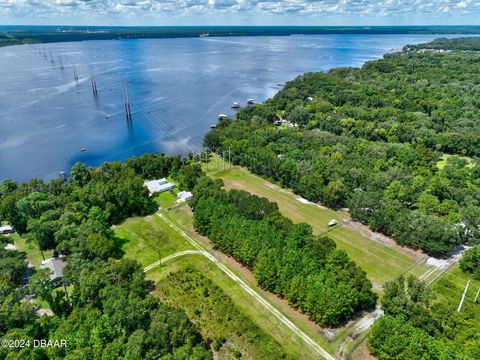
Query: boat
[(213, 126), (250, 102), (236, 105), (83, 149), (222, 116), (332, 222)]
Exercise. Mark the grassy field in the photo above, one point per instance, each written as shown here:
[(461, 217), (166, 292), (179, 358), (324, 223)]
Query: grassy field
[(450, 286), (147, 239), (34, 255), (381, 262)]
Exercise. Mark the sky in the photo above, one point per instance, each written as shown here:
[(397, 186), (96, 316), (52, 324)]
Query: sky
[(239, 12)]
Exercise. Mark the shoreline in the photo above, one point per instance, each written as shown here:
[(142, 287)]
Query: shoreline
[(29, 35)]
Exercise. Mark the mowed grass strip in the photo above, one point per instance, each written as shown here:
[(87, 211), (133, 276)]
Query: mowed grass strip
[(148, 239), (381, 262), (450, 286)]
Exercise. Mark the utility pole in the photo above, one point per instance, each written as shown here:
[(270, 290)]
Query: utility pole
[(206, 160), (128, 111), (94, 82), (463, 296), (75, 74), (218, 162), (229, 159), (476, 296), (223, 157)]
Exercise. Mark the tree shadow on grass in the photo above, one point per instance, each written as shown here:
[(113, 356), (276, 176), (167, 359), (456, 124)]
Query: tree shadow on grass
[(119, 242)]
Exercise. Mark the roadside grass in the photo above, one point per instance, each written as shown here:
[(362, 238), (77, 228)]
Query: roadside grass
[(381, 262), (148, 239), (220, 320)]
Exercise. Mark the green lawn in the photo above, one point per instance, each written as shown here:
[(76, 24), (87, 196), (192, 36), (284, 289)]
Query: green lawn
[(167, 199), (148, 239), (34, 255), (381, 262)]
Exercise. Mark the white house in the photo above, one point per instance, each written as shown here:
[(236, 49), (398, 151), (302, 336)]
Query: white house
[(158, 186), (55, 265), (184, 196)]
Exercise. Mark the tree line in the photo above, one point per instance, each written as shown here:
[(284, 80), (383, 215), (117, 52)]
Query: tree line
[(396, 141), (106, 312), (287, 259), (470, 262), (416, 326)]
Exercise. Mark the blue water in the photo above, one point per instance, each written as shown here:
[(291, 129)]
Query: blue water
[(177, 88)]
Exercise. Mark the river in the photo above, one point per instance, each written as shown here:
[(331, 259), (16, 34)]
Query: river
[(176, 89)]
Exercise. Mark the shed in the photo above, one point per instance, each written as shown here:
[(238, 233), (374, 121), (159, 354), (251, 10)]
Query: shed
[(184, 196), (6, 229)]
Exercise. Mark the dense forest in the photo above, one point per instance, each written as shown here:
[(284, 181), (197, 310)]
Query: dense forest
[(396, 141), (286, 258), (443, 44), (415, 326), (106, 312)]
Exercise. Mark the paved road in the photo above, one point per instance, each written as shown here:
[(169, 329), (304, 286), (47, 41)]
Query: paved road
[(203, 251)]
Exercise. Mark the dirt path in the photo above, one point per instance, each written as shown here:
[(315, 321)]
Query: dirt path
[(170, 257), (200, 249)]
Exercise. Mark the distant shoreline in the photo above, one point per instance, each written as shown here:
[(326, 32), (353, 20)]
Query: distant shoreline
[(21, 34)]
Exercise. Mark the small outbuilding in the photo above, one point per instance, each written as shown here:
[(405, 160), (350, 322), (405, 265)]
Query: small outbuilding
[(184, 196), (55, 265), (158, 186), (6, 230)]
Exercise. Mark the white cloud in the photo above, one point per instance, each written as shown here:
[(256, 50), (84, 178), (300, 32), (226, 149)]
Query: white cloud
[(64, 11)]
